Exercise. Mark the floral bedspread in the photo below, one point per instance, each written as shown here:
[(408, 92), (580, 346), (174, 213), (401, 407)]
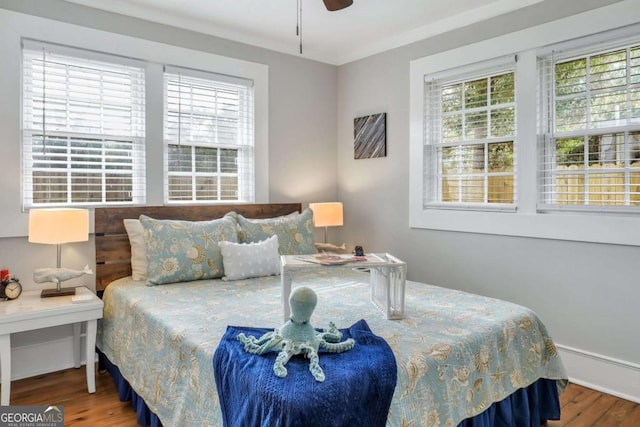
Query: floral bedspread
[(457, 353)]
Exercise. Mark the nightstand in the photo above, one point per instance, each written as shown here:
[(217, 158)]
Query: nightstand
[(30, 312)]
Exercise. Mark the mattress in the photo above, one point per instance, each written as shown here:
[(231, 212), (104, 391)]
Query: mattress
[(456, 352)]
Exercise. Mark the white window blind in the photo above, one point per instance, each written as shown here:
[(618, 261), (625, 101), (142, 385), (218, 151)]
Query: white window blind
[(470, 147), (590, 118), (83, 127), (209, 137)]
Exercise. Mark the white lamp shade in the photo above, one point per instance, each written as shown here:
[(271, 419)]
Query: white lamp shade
[(57, 226), (327, 214)]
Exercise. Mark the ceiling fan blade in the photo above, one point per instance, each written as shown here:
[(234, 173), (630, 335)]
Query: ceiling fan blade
[(333, 5)]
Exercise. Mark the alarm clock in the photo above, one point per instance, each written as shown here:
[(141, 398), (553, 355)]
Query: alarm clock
[(11, 288)]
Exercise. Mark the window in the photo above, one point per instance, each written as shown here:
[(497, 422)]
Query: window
[(83, 128), (470, 148), (591, 124), (209, 138), (576, 139)]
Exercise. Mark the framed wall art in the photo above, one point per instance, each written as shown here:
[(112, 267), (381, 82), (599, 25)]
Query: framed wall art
[(370, 136)]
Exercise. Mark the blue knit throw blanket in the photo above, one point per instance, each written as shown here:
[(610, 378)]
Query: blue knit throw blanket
[(357, 390)]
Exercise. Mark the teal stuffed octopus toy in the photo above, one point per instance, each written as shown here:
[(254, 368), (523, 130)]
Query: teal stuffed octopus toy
[(297, 336)]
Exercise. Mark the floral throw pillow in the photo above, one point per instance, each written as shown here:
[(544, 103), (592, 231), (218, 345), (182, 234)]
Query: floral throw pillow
[(182, 251), (294, 231)]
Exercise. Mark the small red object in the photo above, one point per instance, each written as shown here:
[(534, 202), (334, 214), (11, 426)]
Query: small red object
[(4, 275)]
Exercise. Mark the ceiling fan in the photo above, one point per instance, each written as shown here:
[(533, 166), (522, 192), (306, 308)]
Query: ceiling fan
[(333, 5)]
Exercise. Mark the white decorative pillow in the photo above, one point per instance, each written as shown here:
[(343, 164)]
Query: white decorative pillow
[(138, 249), (246, 260)]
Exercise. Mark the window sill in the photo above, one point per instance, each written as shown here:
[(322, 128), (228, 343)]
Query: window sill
[(481, 207), (571, 226)]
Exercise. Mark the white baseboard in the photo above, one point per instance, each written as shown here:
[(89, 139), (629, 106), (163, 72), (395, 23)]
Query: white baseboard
[(611, 376)]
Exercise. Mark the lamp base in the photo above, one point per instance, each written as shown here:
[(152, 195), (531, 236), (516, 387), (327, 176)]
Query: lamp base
[(46, 293)]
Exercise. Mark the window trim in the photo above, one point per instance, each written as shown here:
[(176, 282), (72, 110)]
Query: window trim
[(154, 53), (596, 26)]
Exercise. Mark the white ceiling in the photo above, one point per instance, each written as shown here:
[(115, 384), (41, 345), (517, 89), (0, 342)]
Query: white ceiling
[(365, 28)]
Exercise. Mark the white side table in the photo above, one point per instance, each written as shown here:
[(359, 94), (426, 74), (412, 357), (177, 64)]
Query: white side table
[(30, 312), (388, 275)]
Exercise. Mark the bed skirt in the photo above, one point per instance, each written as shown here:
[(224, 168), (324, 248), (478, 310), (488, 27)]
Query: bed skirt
[(144, 416), (531, 406)]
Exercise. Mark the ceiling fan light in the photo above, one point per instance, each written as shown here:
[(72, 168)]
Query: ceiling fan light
[(333, 5)]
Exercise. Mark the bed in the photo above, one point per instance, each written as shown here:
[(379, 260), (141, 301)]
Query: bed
[(462, 359)]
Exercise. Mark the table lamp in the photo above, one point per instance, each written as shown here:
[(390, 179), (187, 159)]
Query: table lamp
[(55, 227), (326, 215)]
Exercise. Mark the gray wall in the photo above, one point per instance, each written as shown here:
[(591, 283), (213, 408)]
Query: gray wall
[(302, 137), (302, 143), (586, 293)]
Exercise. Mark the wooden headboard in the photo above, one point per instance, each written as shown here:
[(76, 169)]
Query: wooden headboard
[(113, 252)]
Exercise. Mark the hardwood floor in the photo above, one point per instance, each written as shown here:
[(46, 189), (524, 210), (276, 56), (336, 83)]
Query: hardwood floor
[(581, 407), (68, 388)]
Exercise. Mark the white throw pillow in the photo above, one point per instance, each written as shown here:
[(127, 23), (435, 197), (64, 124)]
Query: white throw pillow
[(246, 260), (138, 249)]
